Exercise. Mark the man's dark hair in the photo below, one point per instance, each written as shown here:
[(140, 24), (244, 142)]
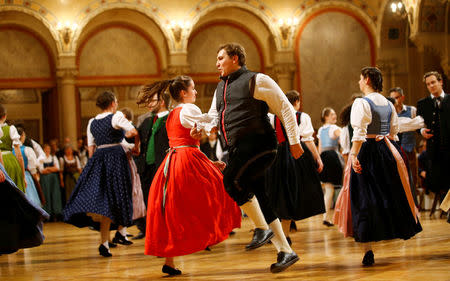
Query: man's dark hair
[(293, 96), (375, 77), (431, 73), (234, 49), (396, 89)]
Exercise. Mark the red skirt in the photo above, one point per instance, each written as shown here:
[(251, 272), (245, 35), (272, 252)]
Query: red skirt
[(197, 213)]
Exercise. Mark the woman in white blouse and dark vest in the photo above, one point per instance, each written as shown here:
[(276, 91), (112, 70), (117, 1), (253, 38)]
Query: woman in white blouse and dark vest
[(382, 207)]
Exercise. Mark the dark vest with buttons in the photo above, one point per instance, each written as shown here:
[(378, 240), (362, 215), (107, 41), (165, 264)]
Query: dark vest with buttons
[(239, 113)]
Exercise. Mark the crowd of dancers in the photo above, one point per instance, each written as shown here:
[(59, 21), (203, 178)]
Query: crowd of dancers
[(260, 157)]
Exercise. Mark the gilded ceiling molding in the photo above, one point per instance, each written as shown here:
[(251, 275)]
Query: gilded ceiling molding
[(256, 7), (146, 7), (39, 12)]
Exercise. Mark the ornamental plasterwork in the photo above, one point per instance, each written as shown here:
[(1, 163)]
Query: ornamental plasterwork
[(254, 6), (36, 10), (146, 7)]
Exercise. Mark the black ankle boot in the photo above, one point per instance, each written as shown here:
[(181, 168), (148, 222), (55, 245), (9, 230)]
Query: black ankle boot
[(104, 251), (120, 239), (368, 259), (170, 270)]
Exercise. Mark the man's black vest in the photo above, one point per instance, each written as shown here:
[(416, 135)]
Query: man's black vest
[(239, 113)]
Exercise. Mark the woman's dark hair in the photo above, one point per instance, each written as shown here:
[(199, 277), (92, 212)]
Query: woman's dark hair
[(344, 116), (325, 112), (375, 77), (293, 96), (105, 99), (159, 88), (20, 131)]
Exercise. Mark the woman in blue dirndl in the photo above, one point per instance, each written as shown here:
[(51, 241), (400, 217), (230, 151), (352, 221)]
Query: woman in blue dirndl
[(104, 189), (382, 207)]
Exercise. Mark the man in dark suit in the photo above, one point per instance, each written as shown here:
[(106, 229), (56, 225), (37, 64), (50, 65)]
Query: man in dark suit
[(435, 110), (154, 144)]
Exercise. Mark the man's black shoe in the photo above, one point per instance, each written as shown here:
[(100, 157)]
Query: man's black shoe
[(284, 260), (260, 237)]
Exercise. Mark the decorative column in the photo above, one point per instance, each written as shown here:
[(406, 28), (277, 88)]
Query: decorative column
[(68, 110), (283, 69), (284, 74), (178, 65)]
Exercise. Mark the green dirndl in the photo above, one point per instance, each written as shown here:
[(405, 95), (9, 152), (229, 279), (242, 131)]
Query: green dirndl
[(11, 164)]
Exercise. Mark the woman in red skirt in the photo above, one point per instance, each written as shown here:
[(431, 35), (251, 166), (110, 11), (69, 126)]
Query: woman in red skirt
[(188, 207)]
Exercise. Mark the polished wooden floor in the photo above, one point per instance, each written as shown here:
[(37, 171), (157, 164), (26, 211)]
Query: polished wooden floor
[(70, 253)]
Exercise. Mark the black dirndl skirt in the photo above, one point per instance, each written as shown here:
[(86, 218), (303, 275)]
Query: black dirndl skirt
[(293, 185), (333, 168), (379, 206)]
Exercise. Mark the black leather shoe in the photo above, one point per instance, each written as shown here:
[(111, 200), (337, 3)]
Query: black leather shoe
[(293, 227), (289, 240), (284, 260), (260, 237), (104, 251), (120, 239), (112, 245), (170, 270), (139, 236), (327, 223), (368, 259)]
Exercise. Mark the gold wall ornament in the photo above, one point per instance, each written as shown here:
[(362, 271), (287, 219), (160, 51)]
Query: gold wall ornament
[(286, 26), (66, 30), (177, 28)]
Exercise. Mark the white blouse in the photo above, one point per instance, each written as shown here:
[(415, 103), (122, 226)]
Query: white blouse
[(39, 152), (406, 124), (118, 122), (191, 114), (306, 129), (32, 160), (13, 134), (268, 91), (344, 140), (64, 159), (49, 160), (361, 116)]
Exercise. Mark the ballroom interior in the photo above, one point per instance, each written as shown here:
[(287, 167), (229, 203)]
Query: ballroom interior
[(57, 55)]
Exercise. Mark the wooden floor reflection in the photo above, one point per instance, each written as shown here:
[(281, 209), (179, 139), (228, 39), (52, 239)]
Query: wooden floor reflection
[(70, 253)]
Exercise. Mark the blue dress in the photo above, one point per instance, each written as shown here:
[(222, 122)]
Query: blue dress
[(30, 191), (20, 219), (379, 206), (104, 186), (332, 160)]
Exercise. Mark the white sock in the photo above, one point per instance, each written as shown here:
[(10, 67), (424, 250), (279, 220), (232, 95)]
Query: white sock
[(106, 244), (328, 197), (123, 231), (253, 211), (279, 240)]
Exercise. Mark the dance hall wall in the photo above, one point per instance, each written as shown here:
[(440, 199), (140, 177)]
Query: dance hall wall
[(332, 45)]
